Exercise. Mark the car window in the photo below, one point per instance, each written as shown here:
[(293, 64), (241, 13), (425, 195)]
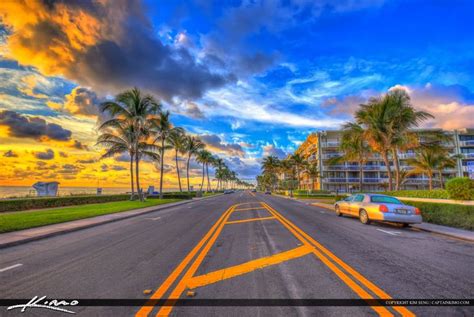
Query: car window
[(385, 199), (350, 198), (358, 198)]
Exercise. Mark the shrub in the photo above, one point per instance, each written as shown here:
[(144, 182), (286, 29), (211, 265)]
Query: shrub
[(460, 188), (175, 195), (52, 202), (453, 215), (436, 193)]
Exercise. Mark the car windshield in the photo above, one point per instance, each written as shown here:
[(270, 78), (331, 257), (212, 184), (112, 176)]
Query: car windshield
[(385, 199)]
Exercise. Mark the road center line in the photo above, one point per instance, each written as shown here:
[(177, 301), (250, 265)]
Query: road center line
[(393, 233), (157, 218), (10, 267)]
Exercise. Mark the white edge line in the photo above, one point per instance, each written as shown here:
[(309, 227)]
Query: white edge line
[(10, 267), (389, 232)]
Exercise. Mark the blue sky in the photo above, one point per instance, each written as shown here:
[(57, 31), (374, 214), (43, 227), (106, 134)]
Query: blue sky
[(254, 78)]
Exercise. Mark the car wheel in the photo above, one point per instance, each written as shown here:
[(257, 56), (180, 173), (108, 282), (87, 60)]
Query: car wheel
[(405, 225), (338, 211), (364, 217)]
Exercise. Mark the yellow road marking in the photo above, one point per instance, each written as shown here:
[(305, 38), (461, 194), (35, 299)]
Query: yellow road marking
[(145, 310), (229, 272), (179, 289), (249, 220), (252, 208), (359, 277)]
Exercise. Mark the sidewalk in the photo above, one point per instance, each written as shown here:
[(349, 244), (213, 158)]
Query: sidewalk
[(22, 236), (429, 227)]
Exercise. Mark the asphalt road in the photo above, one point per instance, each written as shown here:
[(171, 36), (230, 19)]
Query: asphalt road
[(216, 249)]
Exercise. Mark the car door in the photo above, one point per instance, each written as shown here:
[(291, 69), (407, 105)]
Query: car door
[(356, 204), (345, 205)]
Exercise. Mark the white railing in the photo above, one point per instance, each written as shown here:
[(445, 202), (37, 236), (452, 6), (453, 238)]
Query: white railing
[(466, 143)]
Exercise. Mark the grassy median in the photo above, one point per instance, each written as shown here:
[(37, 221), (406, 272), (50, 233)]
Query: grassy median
[(13, 221)]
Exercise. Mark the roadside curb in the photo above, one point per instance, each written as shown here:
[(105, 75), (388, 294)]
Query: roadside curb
[(418, 227), (94, 224)]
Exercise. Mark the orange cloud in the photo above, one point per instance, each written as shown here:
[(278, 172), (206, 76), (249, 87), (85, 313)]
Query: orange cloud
[(46, 36)]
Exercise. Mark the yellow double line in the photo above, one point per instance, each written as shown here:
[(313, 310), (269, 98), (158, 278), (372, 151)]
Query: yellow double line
[(210, 237), (325, 255)]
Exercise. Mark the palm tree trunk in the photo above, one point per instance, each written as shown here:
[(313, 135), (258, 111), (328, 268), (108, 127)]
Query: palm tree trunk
[(187, 170), (389, 171), (208, 182), (397, 168), (162, 167), (361, 174), (177, 171), (430, 180), (440, 179), (203, 170), (132, 182), (137, 177)]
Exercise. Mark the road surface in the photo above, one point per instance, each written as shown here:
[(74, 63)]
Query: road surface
[(218, 249)]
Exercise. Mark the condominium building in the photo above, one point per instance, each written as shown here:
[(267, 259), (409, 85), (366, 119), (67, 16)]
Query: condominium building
[(321, 146)]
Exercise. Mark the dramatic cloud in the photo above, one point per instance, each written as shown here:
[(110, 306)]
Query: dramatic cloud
[(32, 127), (452, 106), (109, 45), (47, 155), (272, 150), (89, 161), (10, 153), (215, 143), (79, 145), (81, 101)]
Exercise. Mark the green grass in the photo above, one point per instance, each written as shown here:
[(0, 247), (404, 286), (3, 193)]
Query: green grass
[(13, 221), (206, 194)]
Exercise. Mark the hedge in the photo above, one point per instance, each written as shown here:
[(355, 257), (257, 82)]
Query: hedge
[(176, 195), (453, 215), (52, 202), (436, 193), (460, 188)]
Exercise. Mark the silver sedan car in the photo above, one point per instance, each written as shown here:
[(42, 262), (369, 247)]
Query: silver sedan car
[(377, 207)]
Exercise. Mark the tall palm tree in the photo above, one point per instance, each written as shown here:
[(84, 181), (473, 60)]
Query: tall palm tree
[(404, 118), (193, 146), (136, 109), (354, 148), (383, 120), (299, 162), (162, 129), (119, 140), (204, 157), (218, 163), (270, 166), (427, 160), (312, 170), (177, 139)]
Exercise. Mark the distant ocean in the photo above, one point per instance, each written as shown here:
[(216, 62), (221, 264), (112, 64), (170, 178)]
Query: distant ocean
[(24, 191)]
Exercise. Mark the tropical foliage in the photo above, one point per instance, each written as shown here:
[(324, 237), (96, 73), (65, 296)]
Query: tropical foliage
[(134, 124)]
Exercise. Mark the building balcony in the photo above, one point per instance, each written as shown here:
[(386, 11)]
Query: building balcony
[(406, 155), (331, 144), (331, 155), (468, 155), (466, 143)]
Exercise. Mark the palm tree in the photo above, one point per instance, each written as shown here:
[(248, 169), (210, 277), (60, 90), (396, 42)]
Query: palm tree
[(177, 140), (270, 166), (298, 162), (427, 160), (312, 170), (354, 148), (193, 146), (218, 163), (404, 118), (136, 109), (162, 129), (386, 120), (119, 140), (204, 157)]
